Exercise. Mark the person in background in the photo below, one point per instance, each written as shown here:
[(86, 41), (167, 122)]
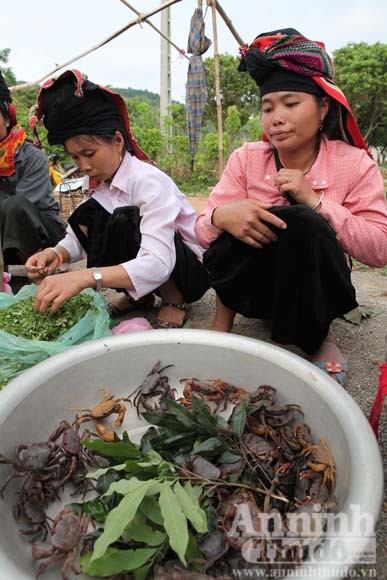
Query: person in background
[(29, 215), (135, 228), (289, 211)]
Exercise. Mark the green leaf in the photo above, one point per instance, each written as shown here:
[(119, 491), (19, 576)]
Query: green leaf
[(356, 316), (150, 508), (120, 517), (191, 508), (175, 522), (114, 449), (166, 420), (141, 532), (221, 422), (238, 420), (121, 486), (194, 492), (204, 416), (115, 561), (228, 457), (182, 414), (96, 509), (210, 447), (142, 573), (104, 470)]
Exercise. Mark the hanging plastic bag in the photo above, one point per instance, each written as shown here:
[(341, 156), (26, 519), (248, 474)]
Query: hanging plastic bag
[(18, 354)]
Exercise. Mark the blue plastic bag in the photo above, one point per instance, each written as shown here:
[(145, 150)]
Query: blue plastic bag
[(18, 354)]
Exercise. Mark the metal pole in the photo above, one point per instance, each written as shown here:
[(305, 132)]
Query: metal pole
[(165, 76)]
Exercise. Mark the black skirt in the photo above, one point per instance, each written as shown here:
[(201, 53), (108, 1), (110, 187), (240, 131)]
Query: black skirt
[(25, 229), (301, 282), (116, 238)]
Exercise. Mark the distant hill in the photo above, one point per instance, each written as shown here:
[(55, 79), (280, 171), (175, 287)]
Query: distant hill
[(152, 98)]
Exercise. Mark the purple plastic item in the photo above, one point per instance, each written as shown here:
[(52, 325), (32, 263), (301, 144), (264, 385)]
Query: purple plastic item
[(132, 325)]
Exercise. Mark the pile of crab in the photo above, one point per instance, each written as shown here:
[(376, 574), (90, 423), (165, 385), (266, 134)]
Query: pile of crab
[(262, 458)]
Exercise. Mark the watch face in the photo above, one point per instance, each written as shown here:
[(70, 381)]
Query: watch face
[(97, 275)]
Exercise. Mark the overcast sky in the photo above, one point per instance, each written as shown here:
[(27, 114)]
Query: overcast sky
[(44, 33)]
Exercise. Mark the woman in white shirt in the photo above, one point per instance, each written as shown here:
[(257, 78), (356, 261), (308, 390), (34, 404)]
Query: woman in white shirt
[(135, 228)]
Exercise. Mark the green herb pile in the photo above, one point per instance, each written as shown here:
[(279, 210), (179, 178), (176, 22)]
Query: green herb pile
[(21, 319), (150, 503)]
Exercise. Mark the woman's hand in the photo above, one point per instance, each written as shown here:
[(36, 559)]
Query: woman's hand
[(247, 220), (55, 289), (293, 181), (41, 264)]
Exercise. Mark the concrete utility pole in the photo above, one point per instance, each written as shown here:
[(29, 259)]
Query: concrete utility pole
[(165, 73)]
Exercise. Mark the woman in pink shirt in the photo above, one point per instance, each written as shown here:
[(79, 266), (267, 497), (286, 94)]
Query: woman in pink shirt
[(135, 228), (288, 211)]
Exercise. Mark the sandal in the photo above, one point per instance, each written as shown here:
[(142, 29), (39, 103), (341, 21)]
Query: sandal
[(157, 323), (337, 371), (143, 303)]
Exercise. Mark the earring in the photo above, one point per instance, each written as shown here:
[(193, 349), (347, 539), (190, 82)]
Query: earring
[(321, 126)]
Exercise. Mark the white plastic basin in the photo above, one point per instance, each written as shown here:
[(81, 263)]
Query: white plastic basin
[(33, 404)]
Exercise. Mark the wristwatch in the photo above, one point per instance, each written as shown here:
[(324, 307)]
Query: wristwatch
[(97, 275)]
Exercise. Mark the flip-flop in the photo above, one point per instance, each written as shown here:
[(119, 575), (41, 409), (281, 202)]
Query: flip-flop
[(336, 370), (143, 303), (157, 323)]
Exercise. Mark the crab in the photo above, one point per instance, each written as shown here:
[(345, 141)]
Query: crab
[(322, 462), (66, 534), (74, 457), (154, 384), (213, 390), (108, 406), (34, 513), (37, 460)]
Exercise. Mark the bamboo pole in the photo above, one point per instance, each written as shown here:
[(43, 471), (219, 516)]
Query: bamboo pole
[(180, 50), (229, 23), (212, 3), (139, 19)]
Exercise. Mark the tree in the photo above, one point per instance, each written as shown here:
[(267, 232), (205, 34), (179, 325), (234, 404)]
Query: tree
[(9, 77), (361, 72), (236, 88)]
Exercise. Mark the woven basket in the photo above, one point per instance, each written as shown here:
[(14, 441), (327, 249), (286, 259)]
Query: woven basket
[(68, 200)]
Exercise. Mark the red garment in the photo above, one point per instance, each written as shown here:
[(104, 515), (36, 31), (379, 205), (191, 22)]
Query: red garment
[(376, 410), (8, 148)]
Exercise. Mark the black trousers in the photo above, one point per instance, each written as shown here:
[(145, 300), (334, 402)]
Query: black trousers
[(24, 229), (115, 238), (301, 282)]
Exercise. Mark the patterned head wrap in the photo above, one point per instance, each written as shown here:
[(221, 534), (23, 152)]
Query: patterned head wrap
[(284, 59), (70, 105)]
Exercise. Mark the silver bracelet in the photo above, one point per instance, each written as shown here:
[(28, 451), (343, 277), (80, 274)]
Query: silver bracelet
[(319, 202)]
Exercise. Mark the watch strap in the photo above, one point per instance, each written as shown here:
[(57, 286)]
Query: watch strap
[(97, 275)]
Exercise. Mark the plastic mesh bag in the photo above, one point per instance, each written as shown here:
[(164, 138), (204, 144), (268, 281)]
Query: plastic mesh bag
[(18, 354)]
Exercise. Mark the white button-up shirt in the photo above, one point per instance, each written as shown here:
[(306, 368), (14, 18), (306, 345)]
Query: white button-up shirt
[(164, 210)]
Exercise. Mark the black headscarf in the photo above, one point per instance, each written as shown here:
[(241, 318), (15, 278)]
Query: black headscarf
[(67, 114), (71, 105)]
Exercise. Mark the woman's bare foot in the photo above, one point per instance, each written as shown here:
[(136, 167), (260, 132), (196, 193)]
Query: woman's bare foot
[(172, 314), (224, 318), (173, 310), (125, 304), (330, 359)]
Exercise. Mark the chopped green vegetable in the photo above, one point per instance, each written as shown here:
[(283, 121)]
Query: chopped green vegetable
[(21, 319)]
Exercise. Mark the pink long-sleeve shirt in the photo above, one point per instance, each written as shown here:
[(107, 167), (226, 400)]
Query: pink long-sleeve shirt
[(354, 202), (164, 210)]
